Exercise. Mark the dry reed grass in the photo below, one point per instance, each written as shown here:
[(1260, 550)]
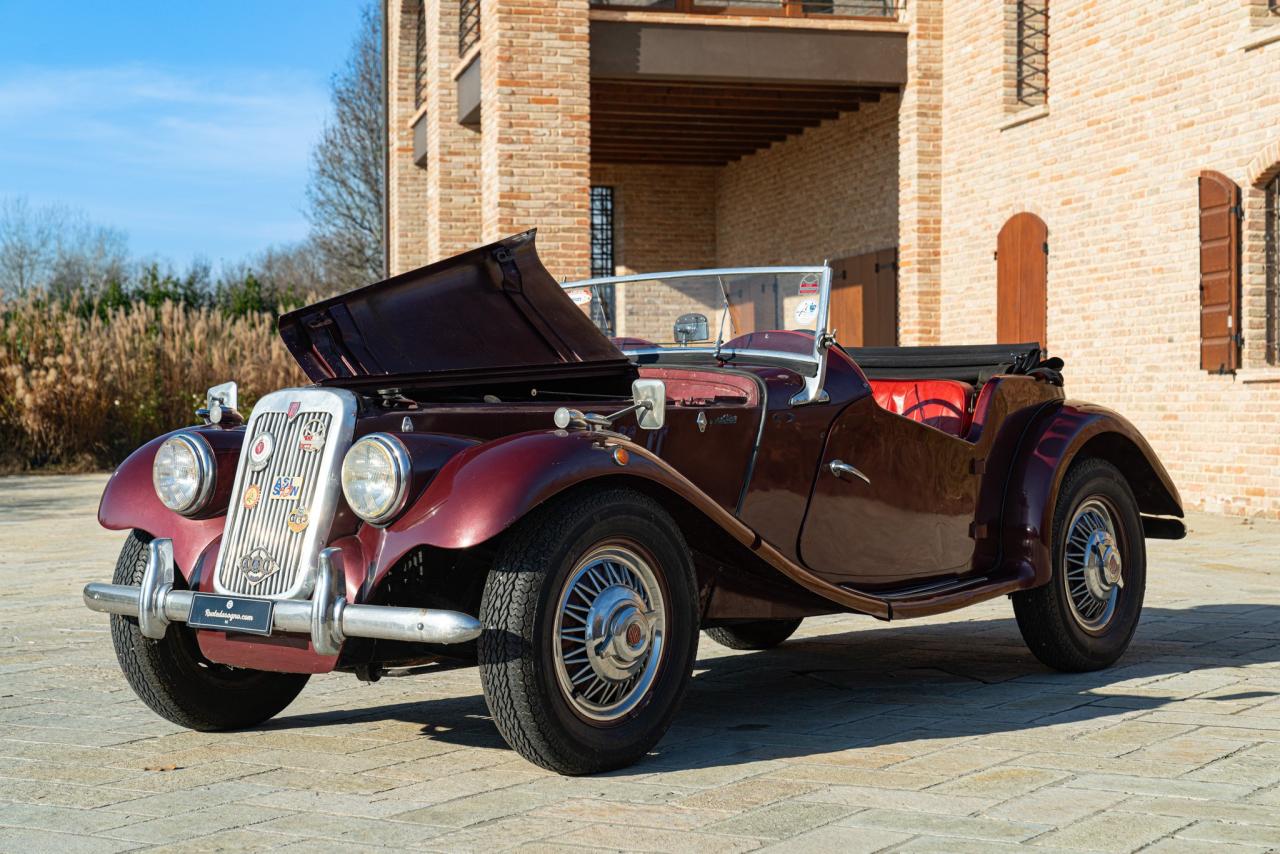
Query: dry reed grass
[(81, 389)]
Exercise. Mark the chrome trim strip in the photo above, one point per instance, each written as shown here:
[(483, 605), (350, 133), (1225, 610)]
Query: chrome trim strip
[(327, 619), (689, 274)]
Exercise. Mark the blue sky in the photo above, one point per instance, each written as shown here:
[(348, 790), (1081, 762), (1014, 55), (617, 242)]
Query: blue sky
[(186, 124)]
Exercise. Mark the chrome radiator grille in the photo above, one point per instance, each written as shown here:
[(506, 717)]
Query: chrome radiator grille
[(285, 493)]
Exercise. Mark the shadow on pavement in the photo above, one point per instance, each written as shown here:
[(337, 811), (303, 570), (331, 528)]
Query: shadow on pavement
[(880, 685)]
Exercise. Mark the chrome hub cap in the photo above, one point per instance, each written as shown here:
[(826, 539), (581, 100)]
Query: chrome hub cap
[(1095, 569), (608, 633)]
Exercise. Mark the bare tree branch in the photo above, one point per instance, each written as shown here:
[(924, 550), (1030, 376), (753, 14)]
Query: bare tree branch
[(345, 204)]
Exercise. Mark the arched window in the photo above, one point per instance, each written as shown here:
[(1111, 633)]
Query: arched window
[(1022, 268)]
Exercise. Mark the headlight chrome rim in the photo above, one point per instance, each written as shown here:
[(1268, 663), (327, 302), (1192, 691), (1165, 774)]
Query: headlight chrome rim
[(206, 473), (401, 468)]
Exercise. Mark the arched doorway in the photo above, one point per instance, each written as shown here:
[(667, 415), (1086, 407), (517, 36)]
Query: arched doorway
[(1022, 267)]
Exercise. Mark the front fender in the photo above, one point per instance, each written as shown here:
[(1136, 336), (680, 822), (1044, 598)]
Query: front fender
[(129, 499), (1059, 437), (485, 489)]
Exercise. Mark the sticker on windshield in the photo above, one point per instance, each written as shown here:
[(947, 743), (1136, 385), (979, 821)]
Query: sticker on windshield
[(806, 312), (580, 296), (809, 284)]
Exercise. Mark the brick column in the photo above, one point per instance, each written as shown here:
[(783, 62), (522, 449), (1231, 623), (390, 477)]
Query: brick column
[(535, 157), (920, 179), (406, 182), (453, 149)]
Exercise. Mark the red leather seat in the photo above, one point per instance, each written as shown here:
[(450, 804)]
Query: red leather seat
[(941, 404)]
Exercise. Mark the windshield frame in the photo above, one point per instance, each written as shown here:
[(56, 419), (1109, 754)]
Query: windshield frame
[(816, 362)]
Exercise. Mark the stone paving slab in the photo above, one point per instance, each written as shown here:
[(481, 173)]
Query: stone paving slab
[(939, 735)]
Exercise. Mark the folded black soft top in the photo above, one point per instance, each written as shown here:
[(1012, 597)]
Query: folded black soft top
[(973, 363)]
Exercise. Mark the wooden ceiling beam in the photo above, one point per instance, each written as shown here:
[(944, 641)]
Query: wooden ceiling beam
[(788, 126), (603, 92), (731, 103), (743, 114), (772, 86)]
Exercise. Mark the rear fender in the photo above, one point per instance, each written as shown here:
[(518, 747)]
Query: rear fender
[(130, 501), (1063, 435)]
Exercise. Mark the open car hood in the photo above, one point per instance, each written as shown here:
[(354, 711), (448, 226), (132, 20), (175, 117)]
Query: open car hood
[(488, 311)]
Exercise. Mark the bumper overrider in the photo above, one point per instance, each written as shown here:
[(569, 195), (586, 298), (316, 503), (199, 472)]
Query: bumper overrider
[(327, 617)]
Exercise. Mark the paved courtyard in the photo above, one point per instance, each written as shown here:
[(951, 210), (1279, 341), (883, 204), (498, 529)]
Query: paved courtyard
[(939, 735)]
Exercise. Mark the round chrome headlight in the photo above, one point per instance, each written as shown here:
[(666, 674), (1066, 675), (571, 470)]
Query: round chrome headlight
[(183, 473), (375, 477)]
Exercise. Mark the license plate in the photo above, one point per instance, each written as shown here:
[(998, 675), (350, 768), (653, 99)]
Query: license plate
[(231, 613)]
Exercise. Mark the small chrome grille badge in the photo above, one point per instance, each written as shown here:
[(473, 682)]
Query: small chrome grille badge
[(286, 487), (292, 412), (260, 451), (252, 496), (257, 566), (312, 438), (297, 520)]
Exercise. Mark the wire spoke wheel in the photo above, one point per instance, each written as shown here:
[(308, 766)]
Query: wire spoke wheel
[(1094, 566), (610, 626)]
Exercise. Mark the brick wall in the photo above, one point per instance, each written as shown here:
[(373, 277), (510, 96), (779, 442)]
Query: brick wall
[(1142, 98), (827, 193), (406, 182), (535, 156), (664, 217)]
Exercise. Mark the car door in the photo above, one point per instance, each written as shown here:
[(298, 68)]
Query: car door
[(901, 513)]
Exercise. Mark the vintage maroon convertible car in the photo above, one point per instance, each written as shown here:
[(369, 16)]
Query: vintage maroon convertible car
[(566, 483)]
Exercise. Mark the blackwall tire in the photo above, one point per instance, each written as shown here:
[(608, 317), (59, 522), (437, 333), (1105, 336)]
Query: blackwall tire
[(758, 634), (177, 682), (614, 556), (1081, 621)]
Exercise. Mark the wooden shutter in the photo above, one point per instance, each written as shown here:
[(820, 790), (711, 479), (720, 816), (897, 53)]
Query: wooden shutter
[(864, 299), (1022, 271), (1219, 273)]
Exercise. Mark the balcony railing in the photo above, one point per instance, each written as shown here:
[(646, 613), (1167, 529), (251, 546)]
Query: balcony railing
[(780, 8), (468, 25)]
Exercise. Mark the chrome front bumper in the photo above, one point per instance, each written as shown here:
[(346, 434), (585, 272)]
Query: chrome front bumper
[(327, 617)]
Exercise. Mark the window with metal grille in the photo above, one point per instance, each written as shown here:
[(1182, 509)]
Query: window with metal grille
[(420, 56), (1273, 270), (468, 25), (1033, 52), (602, 260)]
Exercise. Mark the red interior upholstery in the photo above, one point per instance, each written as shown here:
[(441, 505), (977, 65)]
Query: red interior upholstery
[(941, 404)]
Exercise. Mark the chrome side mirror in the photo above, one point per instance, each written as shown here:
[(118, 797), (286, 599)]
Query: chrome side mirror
[(691, 327), (221, 402), (650, 398)]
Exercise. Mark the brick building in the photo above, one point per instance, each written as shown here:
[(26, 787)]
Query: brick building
[(1103, 177)]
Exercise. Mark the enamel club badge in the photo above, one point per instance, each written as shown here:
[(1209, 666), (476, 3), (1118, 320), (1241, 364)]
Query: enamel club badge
[(286, 487), (312, 437), (298, 520), (252, 496)]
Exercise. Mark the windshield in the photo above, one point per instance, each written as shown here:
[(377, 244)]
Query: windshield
[(713, 311)]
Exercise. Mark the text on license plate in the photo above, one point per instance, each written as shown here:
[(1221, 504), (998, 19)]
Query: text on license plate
[(231, 613)]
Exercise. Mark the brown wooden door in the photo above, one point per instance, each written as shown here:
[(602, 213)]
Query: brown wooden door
[(864, 299), (1022, 268), (1219, 273)]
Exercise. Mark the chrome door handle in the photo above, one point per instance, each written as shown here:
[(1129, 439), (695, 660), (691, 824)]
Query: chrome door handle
[(840, 469)]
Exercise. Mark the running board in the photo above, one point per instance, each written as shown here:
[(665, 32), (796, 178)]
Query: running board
[(937, 597)]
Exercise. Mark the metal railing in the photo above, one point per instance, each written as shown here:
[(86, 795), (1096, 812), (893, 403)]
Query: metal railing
[(468, 25), (781, 8), (1033, 52)]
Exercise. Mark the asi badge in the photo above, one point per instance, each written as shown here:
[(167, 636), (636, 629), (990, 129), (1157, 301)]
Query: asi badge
[(298, 520), (286, 487), (252, 496), (312, 436), (260, 451)]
